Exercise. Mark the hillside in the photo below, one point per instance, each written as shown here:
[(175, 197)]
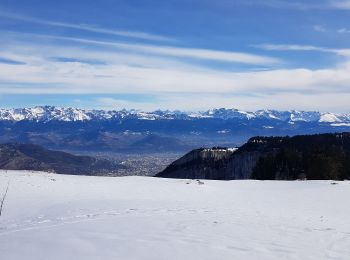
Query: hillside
[(200, 164), (314, 157), (37, 158)]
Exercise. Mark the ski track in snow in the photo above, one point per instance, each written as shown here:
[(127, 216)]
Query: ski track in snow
[(49, 216)]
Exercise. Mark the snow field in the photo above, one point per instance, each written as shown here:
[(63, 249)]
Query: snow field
[(48, 216)]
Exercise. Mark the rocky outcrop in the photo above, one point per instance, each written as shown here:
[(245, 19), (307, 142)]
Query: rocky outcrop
[(200, 164), (324, 156), (241, 165)]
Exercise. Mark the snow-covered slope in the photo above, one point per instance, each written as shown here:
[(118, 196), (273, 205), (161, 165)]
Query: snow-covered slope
[(49, 217), (51, 113)]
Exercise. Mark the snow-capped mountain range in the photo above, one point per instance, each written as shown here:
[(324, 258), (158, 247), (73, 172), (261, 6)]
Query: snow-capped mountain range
[(159, 131), (68, 114)]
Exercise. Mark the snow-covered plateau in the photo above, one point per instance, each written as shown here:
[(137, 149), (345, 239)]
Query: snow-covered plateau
[(48, 216)]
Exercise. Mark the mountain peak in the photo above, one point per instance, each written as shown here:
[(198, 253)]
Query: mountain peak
[(70, 114)]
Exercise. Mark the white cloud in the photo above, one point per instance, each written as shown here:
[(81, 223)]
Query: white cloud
[(319, 28), (161, 50), (75, 77), (288, 47), (302, 5), (176, 83), (340, 4), (196, 53), (344, 30), (295, 47)]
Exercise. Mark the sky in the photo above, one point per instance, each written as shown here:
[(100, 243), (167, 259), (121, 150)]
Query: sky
[(176, 54)]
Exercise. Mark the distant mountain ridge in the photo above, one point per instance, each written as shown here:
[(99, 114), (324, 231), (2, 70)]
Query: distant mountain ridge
[(135, 131), (68, 114)]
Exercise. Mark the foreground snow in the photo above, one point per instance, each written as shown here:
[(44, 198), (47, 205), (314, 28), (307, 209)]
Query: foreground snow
[(48, 216)]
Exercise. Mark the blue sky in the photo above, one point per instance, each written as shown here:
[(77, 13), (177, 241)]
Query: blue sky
[(187, 55)]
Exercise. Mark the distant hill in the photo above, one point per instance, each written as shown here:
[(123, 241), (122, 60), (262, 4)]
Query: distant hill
[(37, 158), (314, 157), (132, 131)]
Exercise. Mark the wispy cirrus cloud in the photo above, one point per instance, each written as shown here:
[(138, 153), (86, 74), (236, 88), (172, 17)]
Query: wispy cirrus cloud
[(302, 5), (42, 74), (319, 28), (296, 47), (288, 47), (344, 30), (171, 51), (175, 83), (340, 4), (196, 53), (323, 29), (86, 27)]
